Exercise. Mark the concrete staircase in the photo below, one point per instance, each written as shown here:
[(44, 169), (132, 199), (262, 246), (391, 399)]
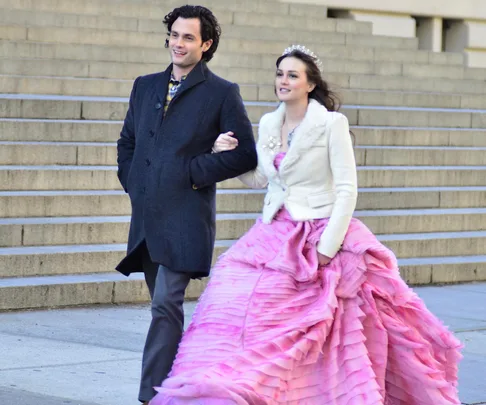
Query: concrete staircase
[(66, 70)]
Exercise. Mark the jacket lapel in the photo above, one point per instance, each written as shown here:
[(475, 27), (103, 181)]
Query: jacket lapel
[(269, 134), (306, 134), (310, 129)]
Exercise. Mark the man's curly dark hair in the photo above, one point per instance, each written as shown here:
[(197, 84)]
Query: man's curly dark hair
[(210, 28)]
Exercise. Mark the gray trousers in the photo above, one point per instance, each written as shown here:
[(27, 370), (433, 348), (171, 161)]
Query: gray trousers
[(167, 290)]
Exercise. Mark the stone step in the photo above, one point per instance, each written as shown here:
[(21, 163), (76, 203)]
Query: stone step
[(433, 244), (45, 231), (394, 83), (404, 116), (314, 22), (419, 156), (158, 11), (114, 108), (395, 98), (113, 53), (64, 86), (97, 153), (418, 136), (58, 107), (258, 6), (72, 290), (50, 203), (105, 177), (262, 66), (97, 258), (155, 40), (113, 288), (232, 35), (231, 22), (45, 130), (440, 270), (40, 130), (57, 85), (263, 24), (36, 18), (15, 232)]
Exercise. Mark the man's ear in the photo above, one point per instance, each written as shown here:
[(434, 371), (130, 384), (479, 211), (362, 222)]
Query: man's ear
[(206, 45)]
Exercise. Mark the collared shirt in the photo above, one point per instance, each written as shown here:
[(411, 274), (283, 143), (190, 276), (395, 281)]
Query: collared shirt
[(174, 85)]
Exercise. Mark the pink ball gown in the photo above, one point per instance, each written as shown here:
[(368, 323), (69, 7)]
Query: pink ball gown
[(274, 328)]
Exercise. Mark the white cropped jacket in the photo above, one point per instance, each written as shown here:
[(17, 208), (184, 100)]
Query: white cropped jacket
[(316, 179)]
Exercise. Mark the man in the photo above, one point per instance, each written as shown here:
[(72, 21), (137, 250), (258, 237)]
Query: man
[(166, 166)]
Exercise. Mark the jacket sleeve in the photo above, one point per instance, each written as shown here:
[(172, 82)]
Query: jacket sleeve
[(207, 169), (343, 166), (254, 178), (126, 142)]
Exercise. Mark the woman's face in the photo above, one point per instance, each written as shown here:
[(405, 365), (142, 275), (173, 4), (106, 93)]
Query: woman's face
[(291, 82)]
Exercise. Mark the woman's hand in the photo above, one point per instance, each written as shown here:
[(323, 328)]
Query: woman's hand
[(323, 260), (225, 142)]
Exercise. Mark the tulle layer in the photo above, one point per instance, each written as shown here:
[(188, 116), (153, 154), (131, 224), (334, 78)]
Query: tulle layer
[(274, 328)]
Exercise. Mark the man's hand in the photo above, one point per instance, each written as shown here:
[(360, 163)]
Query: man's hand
[(225, 142)]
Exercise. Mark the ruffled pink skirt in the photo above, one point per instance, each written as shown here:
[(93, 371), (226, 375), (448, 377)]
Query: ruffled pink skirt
[(274, 328)]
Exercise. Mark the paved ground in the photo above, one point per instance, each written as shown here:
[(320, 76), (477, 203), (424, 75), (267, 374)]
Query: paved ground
[(92, 356)]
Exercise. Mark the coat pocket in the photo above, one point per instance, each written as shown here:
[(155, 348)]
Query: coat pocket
[(129, 179), (321, 199)]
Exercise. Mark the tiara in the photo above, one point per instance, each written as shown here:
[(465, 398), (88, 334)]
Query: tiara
[(306, 51)]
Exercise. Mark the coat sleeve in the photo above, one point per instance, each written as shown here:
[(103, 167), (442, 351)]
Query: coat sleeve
[(343, 166), (126, 142), (207, 169)]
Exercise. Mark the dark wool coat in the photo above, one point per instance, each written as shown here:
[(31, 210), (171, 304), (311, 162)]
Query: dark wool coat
[(166, 166)]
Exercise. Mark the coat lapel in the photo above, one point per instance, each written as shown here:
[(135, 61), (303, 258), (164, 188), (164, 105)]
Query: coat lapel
[(162, 85), (196, 76)]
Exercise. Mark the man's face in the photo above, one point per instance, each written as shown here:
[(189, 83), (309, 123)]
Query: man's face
[(185, 43)]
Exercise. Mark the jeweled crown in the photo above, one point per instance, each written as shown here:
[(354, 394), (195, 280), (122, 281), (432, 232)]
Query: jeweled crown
[(306, 51)]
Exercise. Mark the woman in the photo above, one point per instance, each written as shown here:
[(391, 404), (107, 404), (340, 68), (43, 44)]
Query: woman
[(308, 308)]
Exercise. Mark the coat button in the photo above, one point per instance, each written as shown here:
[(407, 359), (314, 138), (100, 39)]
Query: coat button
[(158, 106), (147, 162), (151, 133), (194, 187)]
